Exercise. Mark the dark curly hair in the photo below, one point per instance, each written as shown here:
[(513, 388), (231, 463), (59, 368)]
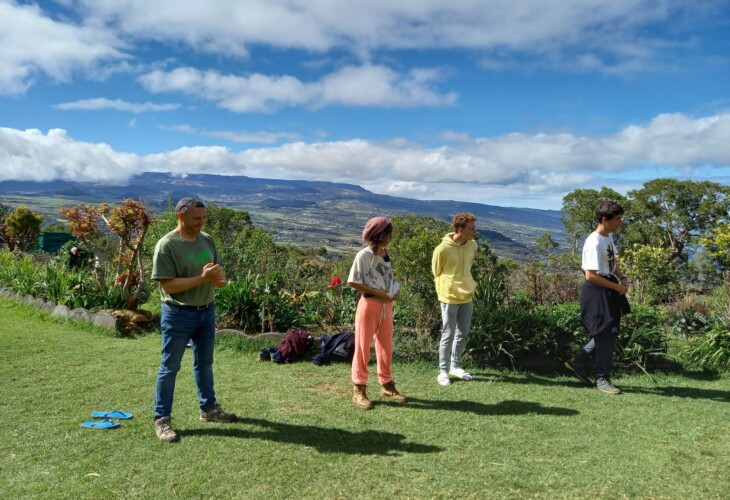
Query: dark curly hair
[(608, 209)]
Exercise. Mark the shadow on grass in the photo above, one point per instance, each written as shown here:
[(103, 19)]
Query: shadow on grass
[(509, 407), (682, 392), (323, 439), (658, 390)]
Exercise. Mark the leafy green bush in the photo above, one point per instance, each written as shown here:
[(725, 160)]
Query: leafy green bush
[(556, 331), (709, 350), (254, 303), (75, 255), (643, 341), (653, 275), (236, 305), (718, 302), (497, 328), (50, 279)]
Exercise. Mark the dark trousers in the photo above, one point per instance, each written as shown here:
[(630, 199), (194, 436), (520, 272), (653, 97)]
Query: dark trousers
[(600, 348)]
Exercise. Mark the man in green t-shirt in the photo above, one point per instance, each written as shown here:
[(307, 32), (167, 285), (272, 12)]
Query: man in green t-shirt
[(187, 266)]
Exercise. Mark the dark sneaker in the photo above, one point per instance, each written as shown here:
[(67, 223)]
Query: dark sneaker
[(605, 385), (164, 430), (578, 373), (264, 355), (216, 414)]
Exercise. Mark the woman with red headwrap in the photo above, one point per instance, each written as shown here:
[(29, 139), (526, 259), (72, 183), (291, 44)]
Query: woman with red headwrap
[(372, 275)]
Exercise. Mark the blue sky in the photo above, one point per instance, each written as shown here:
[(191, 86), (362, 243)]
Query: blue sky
[(498, 102)]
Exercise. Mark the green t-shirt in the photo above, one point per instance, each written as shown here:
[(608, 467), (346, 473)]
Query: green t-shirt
[(178, 258)]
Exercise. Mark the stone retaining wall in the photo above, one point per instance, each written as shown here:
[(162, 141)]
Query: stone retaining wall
[(105, 319)]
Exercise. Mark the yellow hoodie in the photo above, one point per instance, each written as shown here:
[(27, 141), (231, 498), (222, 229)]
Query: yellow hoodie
[(451, 266)]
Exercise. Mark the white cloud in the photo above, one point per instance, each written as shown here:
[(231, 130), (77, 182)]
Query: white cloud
[(517, 167), (34, 44), (31, 155), (259, 137), (366, 85), (603, 35), (119, 105), (99, 37)]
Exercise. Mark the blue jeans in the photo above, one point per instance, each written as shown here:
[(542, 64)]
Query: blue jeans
[(455, 324), (600, 348), (179, 326)]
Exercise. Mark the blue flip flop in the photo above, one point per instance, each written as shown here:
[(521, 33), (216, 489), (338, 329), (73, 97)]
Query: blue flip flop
[(102, 424), (118, 414)]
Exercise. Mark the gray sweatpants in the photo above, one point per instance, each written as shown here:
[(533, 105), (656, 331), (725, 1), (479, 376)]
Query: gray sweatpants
[(455, 323)]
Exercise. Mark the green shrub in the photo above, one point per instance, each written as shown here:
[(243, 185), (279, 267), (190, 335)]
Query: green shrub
[(81, 257), (50, 279), (643, 341), (556, 331), (497, 328), (254, 303), (236, 305), (710, 350)]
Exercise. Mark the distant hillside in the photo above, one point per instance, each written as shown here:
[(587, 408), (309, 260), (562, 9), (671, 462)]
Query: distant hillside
[(301, 212)]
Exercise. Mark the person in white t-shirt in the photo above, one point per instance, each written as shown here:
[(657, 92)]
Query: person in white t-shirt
[(372, 275), (602, 299)]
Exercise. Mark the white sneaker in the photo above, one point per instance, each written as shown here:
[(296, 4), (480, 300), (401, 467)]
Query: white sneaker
[(460, 373), (443, 379)]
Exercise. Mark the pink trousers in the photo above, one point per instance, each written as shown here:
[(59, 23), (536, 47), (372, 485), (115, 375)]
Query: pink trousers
[(373, 319)]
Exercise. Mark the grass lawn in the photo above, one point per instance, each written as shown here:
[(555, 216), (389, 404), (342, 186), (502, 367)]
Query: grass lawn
[(503, 435)]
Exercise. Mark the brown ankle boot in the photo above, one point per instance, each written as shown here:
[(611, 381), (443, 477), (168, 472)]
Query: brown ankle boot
[(389, 391), (360, 397)]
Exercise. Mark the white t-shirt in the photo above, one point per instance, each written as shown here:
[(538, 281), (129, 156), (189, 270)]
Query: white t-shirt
[(371, 270), (599, 254)]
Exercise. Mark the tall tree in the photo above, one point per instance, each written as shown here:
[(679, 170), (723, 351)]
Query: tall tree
[(717, 244), (674, 213), (130, 221), (4, 212), (23, 228), (579, 218), (414, 239)]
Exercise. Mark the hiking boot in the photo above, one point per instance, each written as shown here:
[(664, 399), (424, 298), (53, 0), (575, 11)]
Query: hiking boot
[(389, 391), (360, 397), (578, 373), (460, 373), (216, 414), (605, 385), (443, 379), (164, 430)]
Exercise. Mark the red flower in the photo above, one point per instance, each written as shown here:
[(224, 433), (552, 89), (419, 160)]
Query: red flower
[(336, 281)]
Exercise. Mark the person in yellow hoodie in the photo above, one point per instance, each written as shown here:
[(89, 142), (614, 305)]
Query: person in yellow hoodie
[(451, 266)]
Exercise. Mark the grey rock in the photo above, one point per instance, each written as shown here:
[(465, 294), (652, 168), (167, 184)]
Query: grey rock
[(270, 336), (228, 332), (38, 303), (104, 319), (48, 307), (80, 314), (61, 311), (28, 299)]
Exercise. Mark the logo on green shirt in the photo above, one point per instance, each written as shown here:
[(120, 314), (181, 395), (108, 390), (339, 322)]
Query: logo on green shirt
[(200, 258)]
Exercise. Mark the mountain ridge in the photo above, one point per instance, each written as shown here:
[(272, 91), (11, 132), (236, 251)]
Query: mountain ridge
[(296, 209)]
